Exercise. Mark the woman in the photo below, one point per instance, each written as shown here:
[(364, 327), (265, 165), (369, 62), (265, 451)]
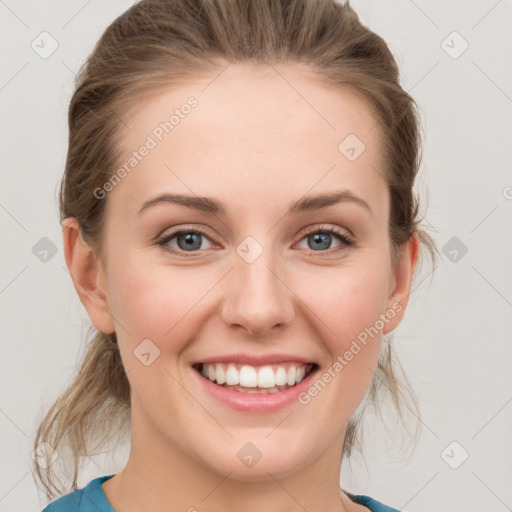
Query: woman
[(239, 222)]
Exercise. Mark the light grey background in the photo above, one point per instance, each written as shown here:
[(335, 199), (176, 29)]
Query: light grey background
[(455, 339)]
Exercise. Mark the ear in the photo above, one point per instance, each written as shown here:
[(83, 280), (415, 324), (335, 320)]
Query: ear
[(87, 275), (400, 287)]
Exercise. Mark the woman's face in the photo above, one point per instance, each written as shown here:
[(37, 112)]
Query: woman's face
[(272, 276)]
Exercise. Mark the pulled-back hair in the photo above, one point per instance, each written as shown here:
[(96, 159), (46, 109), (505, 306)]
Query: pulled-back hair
[(156, 43)]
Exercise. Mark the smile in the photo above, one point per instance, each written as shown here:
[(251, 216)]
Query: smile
[(255, 379)]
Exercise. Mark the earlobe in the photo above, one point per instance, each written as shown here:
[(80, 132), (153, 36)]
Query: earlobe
[(87, 274), (403, 275)]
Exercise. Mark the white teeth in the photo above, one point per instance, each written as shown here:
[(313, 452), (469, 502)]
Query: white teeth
[(257, 391), (232, 375), (251, 378), (280, 376), (290, 376), (248, 377), (266, 377), (220, 376)]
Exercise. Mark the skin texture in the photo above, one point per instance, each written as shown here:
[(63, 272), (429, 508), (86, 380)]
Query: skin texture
[(256, 144)]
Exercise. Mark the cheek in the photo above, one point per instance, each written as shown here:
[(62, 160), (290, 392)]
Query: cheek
[(351, 310), (169, 305), (343, 307), (152, 301), (159, 304), (352, 300)]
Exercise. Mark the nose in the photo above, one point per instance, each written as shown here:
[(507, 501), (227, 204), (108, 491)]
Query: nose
[(258, 299)]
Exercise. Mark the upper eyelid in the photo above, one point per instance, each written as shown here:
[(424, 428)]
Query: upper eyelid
[(324, 227)]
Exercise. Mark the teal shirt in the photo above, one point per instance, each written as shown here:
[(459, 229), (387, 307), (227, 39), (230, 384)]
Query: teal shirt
[(92, 499)]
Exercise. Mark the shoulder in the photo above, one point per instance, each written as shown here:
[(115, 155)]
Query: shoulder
[(373, 505), (91, 498)]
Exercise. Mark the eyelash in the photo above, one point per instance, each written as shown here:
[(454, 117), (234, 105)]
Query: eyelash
[(346, 240)]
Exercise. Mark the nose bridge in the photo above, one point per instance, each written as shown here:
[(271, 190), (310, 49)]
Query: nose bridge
[(258, 299)]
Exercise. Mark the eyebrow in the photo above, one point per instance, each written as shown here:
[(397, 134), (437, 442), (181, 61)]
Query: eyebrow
[(213, 206)]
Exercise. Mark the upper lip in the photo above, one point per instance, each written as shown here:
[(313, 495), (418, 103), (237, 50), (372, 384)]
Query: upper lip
[(254, 360)]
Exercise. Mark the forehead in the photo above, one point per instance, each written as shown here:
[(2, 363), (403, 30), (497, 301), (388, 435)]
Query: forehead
[(252, 129)]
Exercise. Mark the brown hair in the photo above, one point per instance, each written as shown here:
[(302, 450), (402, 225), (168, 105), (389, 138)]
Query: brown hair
[(158, 42)]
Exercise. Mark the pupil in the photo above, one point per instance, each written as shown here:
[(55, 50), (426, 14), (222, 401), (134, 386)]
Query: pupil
[(321, 240), (190, 240)]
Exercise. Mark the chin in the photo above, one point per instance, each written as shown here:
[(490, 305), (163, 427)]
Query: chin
[(250, 463)]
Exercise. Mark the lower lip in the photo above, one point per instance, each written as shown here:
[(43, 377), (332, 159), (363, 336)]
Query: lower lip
[(256, 402)]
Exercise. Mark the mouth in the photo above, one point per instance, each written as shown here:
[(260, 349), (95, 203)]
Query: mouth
[(263, 379)]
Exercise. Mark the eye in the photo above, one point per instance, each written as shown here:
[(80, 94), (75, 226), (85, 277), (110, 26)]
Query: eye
[(320, 239), (188, 240)]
